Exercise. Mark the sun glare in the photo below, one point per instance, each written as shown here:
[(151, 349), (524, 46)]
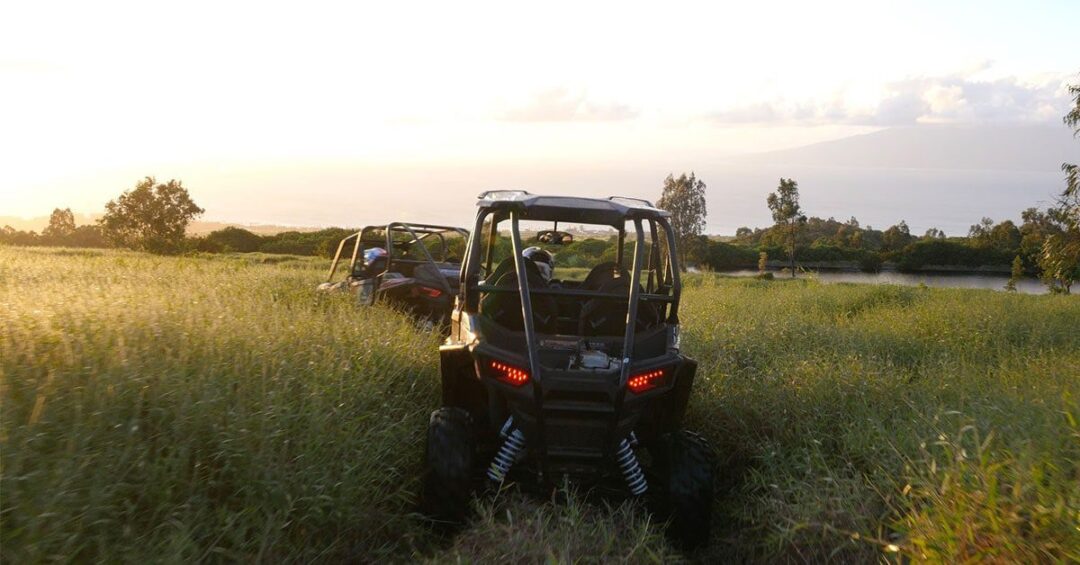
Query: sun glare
[(98, 96)]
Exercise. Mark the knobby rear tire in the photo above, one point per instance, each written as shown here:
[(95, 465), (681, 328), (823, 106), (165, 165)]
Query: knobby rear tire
[(448, 469), (684, 465)]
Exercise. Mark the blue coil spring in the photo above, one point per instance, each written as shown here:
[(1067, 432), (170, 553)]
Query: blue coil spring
[(628, 462), (507, 454)]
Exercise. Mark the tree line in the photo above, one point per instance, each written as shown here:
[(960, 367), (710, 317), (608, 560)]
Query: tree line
[(817, 240), (794, 238)]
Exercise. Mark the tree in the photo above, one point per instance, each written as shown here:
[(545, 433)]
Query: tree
[(1060, 260), (152, 217), (856, 240), (743, 232), (1036, 227), (979, 234), (787, 214), (61, 224), (897, 237), (684, 198), (1005, 236), (934, 233), (1060, 263), (1016, 274), (1071, 197)]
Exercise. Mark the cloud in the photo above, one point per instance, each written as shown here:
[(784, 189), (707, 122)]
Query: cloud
[(956, 98), (560, 105)]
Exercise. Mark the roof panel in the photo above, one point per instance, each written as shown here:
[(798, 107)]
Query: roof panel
[(608, 211)]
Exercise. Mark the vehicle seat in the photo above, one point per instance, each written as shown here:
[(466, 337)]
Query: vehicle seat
[(505, 308), (504, 266), (607, 316), (432, 276), (602, 274), (369, 271)]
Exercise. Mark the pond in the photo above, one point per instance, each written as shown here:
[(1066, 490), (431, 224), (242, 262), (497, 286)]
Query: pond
[(990, 281)]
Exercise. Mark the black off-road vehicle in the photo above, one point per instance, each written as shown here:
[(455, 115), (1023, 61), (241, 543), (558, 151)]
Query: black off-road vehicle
[(413, 266), (546, 380)]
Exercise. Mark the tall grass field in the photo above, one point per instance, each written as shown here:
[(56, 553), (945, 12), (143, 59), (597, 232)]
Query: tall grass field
[(216, 409)]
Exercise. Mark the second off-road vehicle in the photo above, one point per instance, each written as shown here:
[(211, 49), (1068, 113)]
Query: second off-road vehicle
[(415, 267)]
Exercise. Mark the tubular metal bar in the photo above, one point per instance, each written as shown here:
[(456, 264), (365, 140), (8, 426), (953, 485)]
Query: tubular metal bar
[(472, 257), (337, 256), (442, 240), (653, 251), (428, 228), (473, 253), (574, 292), (619, 251), (632, 307), (437, 231), (530, 334), (490, 246), (676, 286), (355, 252), (390, 241), (526, 298), (631, 323)]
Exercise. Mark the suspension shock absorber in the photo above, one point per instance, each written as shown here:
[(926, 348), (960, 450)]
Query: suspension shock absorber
[(508, 452), (628, 463)]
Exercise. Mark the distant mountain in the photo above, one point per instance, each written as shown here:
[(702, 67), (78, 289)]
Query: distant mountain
[(940, 176), (985, 147)]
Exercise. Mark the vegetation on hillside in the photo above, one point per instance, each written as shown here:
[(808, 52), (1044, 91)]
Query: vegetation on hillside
[(193, 408)]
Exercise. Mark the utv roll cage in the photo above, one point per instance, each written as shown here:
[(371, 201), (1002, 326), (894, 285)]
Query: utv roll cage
[(384, 236), (663, 289), (499, 205)]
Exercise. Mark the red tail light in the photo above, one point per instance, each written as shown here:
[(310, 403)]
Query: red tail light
[(509, 374), (427, 291), (648, 380)]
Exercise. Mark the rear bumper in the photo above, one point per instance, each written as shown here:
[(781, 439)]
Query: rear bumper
[(573, 420)]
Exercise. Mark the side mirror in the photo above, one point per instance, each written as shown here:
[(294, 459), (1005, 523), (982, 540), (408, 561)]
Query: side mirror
[(554, 237)]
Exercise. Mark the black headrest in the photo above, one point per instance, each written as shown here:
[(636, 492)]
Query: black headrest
[(507, 267), (601, 274), (505, 308)]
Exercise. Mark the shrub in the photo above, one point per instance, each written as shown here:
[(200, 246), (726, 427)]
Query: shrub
[(945, 252), (725, 256), (235, 239), (870, 262)]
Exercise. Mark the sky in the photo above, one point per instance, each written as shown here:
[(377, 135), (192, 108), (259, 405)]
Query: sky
[(324, 113)]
